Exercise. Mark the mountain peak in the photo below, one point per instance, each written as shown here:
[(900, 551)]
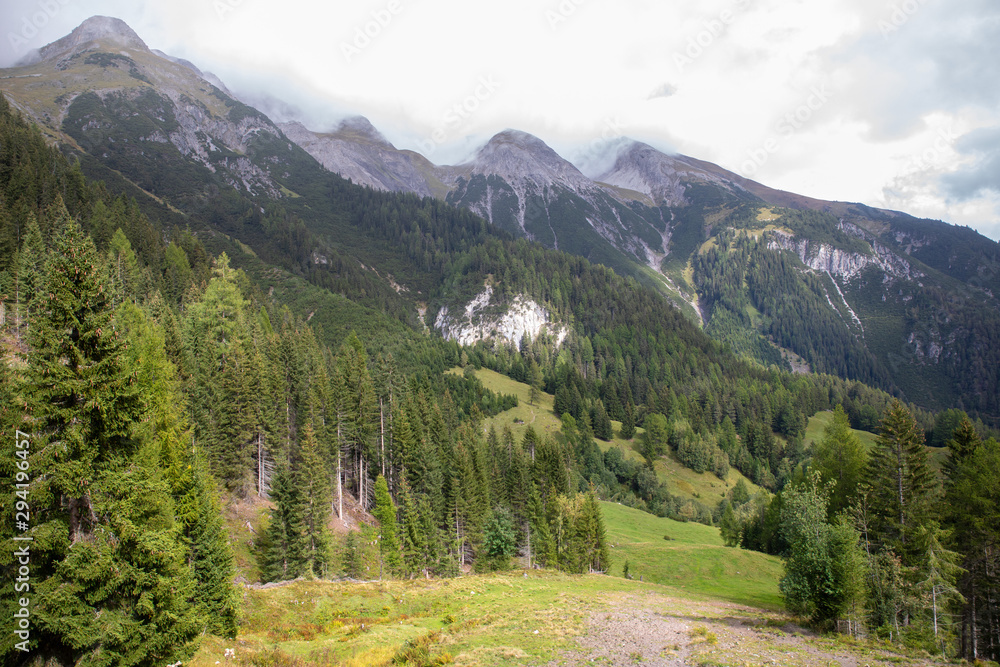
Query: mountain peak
[(96, 28), (517, 137), (641, 168), (518, 156), (360, 126)]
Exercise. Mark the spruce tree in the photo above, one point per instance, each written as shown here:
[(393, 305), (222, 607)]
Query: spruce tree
[(936, 574), (539, 537), (900, 482), (590, 530), (313, 485), (390, 561), (628, 422), (972, 504), (30, 276), (222, 398), (729, 527), (602, 423), (840, 458), (198, 513), (414, 541), (962, 444), (285, 557), (110, 583)]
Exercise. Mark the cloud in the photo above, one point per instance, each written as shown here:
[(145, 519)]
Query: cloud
[(981, 172), (910, 59), (665, 90)]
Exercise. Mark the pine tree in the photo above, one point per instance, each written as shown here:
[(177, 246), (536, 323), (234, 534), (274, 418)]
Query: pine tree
[(285, 556), (841, 459), (313, 484), (628, 422), (111, 585), (198, 513), (729, 527), (937, 574), (900, 482), (390, 561), (590, 530), (602, 423)]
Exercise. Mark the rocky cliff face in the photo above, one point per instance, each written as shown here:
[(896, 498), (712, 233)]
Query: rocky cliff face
[(356, 150), (840, 263), (484, 320)]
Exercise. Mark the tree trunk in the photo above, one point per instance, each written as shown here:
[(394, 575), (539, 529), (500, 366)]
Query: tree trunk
[(975, 630), (899, 481), (340, 487), (934, 606), (260, 467)]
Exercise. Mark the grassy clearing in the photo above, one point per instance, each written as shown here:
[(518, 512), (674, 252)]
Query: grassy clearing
[(693, 560), (767, 215), (684, 482), (936, 456), (819, 421), (500, 619), (512, 618)]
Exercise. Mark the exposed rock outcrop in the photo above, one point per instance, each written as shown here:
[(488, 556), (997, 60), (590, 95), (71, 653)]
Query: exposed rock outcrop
[(507, 324)]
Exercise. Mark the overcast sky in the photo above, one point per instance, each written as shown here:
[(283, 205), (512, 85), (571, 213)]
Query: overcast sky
[(895, 105)]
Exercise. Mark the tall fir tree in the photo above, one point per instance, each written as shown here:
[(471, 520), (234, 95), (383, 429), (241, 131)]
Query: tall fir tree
[(900, 483), (198, 512), (313, 484), (285, 557), (840, 457), (973, 515), (110, 581), (390, 559)]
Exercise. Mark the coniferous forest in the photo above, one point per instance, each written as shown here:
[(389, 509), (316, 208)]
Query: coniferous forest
[(151, 377)]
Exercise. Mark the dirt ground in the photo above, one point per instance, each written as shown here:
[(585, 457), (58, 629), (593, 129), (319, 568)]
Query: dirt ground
[(659, 631)]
